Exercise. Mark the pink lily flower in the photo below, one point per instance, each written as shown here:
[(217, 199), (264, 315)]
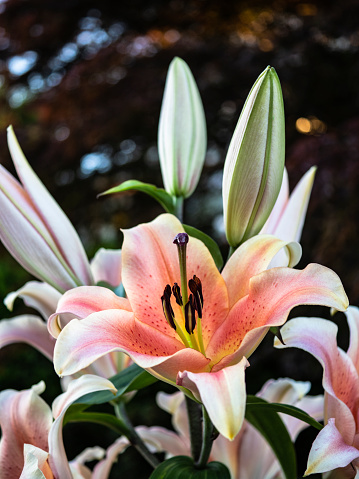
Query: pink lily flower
[(200, 341), (35, 230), (238, 455), (31, 444), (336, 448)]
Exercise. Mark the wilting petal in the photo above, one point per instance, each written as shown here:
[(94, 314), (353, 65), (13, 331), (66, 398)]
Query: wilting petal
[(40, 296), (272, 294), (35, 464), (145, 275), (25, 418), (27, 329), (251, 258), (106, 266), (329, 451), (352, 315), (340, 380), (77, 388), (81, 302), (56, 221), (223, 394)]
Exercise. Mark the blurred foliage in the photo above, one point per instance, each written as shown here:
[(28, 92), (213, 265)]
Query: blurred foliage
[(82, 83)]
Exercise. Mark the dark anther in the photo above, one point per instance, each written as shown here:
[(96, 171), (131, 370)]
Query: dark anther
[(177, 294), (167, 308), (181, 239), (190, 315), (195, 287)]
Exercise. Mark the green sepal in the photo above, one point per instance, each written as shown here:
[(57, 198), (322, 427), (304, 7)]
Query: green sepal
[(268, 422), (211, 245), (132, 378), (253, 403), (183, 467), (159, 194), (276, 331)]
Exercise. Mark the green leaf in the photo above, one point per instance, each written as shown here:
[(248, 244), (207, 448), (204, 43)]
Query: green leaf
[(271, 426), (130, 379), (209, 242), (183, 467), (159, 194), (284, 408)]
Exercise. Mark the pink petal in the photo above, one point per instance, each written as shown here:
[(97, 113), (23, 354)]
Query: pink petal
[(352, 315), (251, 258), (106, 266), (223, 394), (340, 379), (40, 296), (27, 329), (279, 207), (77, 388), (329, 451), (25, 418), (36, 465), (56, 221), (175, 405), (81, 302), (272, 294), (150, 262)]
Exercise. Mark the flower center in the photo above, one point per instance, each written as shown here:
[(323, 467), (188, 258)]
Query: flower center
[(191, 305)]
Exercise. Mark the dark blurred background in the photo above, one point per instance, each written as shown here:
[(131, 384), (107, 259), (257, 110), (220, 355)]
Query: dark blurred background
[(82, 84)]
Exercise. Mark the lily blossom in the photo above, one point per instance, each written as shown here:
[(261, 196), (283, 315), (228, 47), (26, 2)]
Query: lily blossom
[(197, 341), (31, 444), (336, 447), (238, 455)]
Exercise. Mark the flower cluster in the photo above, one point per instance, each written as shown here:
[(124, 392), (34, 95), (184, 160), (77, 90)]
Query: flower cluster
[(165, 308)]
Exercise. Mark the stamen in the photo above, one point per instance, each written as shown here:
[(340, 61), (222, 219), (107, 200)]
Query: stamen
[(177, 294), (195, 287), (190, 315), (167, 308)]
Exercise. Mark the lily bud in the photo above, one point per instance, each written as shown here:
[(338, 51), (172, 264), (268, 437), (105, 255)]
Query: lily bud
[(253, 168), (182, 137)]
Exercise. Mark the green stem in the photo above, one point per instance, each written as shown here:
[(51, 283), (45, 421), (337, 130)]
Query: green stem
[(133, 437), (178, 201), (195, 429), (231, 251), (207, 439)]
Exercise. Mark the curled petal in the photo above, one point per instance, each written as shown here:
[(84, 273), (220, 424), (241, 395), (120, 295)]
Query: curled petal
[(40, 296), (36, 465), (223, 394), (329, 451), (77, 388), (27, 329)]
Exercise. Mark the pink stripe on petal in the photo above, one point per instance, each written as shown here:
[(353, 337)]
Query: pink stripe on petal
[(329, 451), (272, 294)]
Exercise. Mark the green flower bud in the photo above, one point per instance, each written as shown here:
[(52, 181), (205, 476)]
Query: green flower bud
[(182, 137), (253, 168)]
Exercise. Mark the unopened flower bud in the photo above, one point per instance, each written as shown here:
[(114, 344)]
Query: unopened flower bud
[(182, 137), (253, 168)]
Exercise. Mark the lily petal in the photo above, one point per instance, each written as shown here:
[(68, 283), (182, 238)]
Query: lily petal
[(329, 451), (272, 294), (106, 266), (340, 379), (56, 221), (352, 315), (223, 394), (81, 302), (25, 418), (40, 296), (279, 206), (251, 258), (35, 464), (27, 329), (77, 388)]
